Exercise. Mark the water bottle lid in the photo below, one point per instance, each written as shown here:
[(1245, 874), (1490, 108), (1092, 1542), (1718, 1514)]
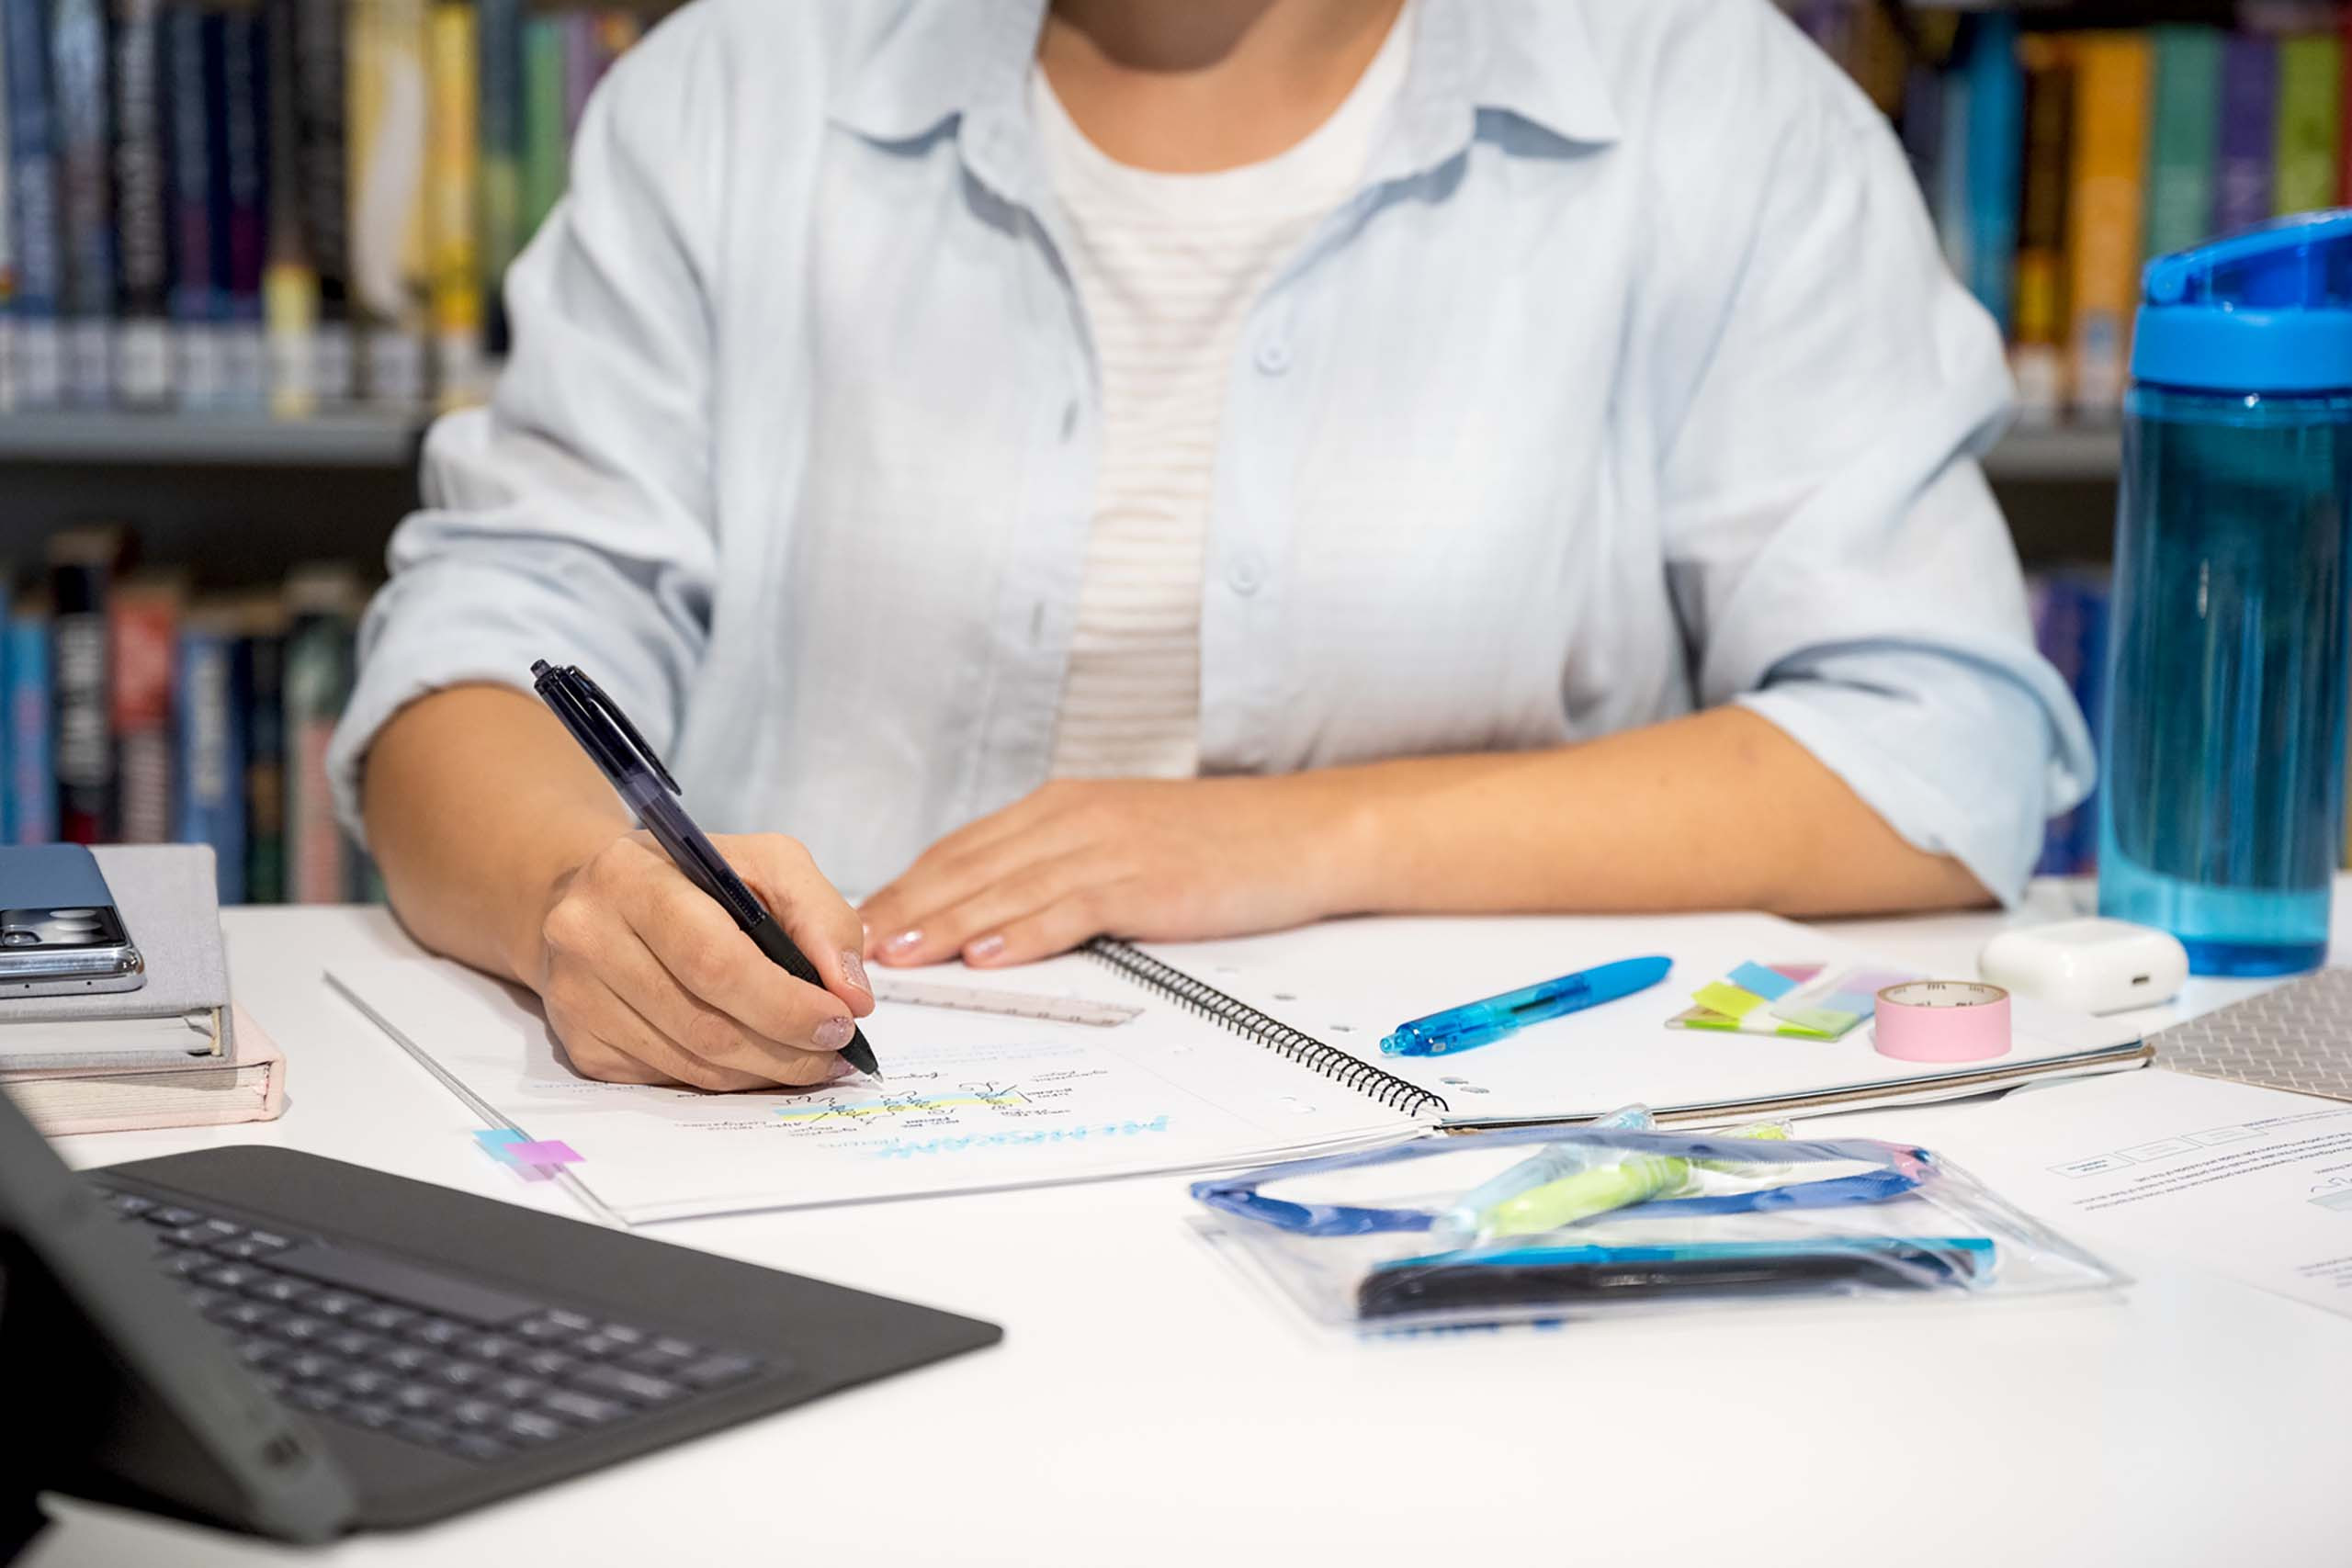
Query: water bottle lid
[(2266, 310)]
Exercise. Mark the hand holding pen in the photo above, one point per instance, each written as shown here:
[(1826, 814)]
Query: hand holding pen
[(672, 958)]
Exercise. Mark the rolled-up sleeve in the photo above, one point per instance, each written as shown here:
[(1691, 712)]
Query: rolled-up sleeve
[(1837, 558), (571, 519)]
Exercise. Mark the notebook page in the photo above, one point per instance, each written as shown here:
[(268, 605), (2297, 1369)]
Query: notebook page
[(969, 1101), (1349, 983)]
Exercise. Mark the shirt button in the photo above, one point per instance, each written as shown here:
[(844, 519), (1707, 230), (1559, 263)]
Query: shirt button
[(1245, 573), (1273, 357)]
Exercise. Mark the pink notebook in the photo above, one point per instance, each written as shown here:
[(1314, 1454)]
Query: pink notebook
[(204, 1093)]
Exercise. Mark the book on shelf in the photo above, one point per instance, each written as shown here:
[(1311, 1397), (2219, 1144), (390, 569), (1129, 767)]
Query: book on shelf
[(207, 763), (2248, 132), (197, 307), (2311, 102), (28, 786), (258, 685), (2112, 81), (2037, 353), (322, 606), (1996, 148), (142, 637), (388, 133), (453, 179), (82, 564), (142, 343), (2184, 137), (77, 53)]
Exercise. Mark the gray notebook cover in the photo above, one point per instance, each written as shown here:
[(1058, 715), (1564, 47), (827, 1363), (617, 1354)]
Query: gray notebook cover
[(2297, 1037), (169, 898)]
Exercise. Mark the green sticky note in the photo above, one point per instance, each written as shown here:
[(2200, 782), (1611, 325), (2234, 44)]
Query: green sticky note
[(1722, 996)]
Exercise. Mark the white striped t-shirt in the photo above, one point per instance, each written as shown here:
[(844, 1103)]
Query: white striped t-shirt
[(1168, 268)]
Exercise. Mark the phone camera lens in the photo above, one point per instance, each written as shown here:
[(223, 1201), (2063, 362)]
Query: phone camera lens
[(17, 936)]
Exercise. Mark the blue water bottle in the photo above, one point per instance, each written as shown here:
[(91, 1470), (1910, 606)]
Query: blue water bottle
[(2221, 813)]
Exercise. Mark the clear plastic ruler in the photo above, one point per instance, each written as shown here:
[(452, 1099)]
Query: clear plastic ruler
[(1004, 1004)]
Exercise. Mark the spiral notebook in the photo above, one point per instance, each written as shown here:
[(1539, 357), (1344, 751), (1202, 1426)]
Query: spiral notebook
[(1240, 1054)]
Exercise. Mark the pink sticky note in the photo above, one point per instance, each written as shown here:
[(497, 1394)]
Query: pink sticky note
[(554, 1151)]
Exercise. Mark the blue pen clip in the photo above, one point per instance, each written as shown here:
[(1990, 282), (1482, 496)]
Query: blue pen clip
[(1482, 1022)]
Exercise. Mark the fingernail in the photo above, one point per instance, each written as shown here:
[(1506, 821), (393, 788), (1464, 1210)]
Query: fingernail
[(981, 951), (843, 1070), (854, 971), (903, 941), (834, 1033)]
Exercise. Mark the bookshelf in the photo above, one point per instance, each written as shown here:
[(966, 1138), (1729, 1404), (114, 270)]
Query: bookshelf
[(356, 439)]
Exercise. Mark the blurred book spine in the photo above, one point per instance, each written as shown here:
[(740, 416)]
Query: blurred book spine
[(257, 681), (2311, 100), (389, 139), (2037, 355), (210, 760), (322, 607), (453, 179), (77, 52), (34, 374), (2184, 135), (143, 627), (198, 308), (142, 343), (81, 575), (2111, 71), (28, 793)]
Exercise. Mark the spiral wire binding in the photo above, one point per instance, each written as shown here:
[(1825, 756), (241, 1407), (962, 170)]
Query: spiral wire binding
[(1242, 1018)]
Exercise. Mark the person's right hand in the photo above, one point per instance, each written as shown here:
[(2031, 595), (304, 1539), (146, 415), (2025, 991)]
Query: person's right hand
[(647, 980)]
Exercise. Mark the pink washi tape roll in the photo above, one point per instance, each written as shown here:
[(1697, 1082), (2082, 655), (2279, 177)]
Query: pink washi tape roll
[(1943, 1021)]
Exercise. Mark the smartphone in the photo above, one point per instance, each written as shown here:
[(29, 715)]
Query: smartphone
[(60, 931)]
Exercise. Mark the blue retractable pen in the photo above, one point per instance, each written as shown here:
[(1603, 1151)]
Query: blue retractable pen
[(1481, 1023)]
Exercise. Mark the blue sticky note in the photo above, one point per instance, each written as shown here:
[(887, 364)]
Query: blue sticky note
[(1770, 983), (496, 1142)]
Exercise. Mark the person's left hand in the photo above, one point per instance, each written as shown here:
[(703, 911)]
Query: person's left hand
[(1159, 860)]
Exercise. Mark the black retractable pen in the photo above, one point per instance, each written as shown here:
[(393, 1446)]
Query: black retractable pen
[(613, 743)]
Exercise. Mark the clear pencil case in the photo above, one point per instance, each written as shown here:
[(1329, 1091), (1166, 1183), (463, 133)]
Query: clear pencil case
[(1556, 1224)]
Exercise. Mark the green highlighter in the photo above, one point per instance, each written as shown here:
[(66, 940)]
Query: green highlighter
[(1636, 1179)]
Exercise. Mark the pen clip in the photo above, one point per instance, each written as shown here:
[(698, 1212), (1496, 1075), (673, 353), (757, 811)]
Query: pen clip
[(589, 691)]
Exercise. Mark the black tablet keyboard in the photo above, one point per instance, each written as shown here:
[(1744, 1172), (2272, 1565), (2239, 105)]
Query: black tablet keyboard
[(434, 1359)]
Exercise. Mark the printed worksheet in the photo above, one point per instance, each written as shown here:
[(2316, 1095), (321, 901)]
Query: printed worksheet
[(969, 1099), (2249, 1182)]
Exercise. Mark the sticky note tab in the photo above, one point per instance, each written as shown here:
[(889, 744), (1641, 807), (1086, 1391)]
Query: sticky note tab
[(1722, 996), (531, 1161), (1828, 1020), (1770, 983)]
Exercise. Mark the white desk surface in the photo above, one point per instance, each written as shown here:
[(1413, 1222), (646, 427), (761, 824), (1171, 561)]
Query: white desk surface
[(1147, 1406)]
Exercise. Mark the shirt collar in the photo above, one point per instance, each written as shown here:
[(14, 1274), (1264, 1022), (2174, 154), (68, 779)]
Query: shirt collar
[(944, 59)]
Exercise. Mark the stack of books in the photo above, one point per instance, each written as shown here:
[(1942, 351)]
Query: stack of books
[(276, 203), (135, 714), (2056, 162)]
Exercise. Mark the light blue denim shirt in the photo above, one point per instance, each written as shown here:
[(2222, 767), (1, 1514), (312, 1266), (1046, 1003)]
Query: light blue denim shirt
[(1630, 380)]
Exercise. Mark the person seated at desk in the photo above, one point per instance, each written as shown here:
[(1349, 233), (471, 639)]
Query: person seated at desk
[(1187, 467)]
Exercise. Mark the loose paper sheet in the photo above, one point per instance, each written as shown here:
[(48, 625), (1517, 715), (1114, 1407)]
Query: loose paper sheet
[(968, 1101)]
